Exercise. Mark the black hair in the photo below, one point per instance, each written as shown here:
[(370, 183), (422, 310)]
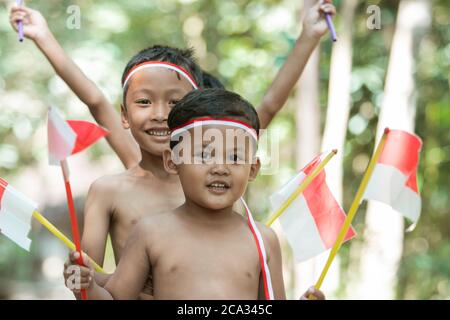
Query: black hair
[(210, 81), (216, 103), (181, 57)]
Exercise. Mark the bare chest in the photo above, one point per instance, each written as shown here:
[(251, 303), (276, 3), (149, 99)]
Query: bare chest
[(207, 266)]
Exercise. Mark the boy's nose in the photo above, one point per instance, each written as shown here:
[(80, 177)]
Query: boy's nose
[(220, 169), (160, 112)]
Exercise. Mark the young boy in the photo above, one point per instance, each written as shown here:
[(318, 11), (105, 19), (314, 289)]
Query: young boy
[(202, 249), (115, 203)]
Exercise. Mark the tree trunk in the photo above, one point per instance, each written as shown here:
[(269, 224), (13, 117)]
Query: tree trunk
[(307, 141), (383, 235), (335, 131), (339, 103)]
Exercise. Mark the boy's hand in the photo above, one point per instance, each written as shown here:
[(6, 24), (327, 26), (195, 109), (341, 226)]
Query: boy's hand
[(313, 294), (34, 24), (78, 277), (314, 24)]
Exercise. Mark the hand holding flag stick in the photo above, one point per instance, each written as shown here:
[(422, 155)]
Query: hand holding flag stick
[(305, 183), (73, 217), (353, 208)]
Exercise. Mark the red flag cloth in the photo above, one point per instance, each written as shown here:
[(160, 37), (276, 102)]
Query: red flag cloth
[(69, 137), (394, 179), (87, 134)]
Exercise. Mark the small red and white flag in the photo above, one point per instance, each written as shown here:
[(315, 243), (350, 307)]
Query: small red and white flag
[(313, 220), (66, 138), (394, 179), (16, 212)]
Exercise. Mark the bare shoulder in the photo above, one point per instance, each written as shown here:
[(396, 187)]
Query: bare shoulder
[(270, 238), (106, 186), (110, 184)]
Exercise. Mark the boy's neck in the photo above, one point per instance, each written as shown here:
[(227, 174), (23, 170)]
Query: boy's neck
[(154, 164), (207, 215)]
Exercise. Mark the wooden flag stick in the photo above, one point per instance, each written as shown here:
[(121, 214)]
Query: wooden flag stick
[(353, 208), (73, 218), (53, 230), (305, 183)]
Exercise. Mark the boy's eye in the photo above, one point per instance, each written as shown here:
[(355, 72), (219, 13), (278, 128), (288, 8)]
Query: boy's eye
[(235, 158), (204, 155), (143, 101), (173, 102)]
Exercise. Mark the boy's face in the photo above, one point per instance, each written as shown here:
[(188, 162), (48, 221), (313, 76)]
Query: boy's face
[(152, 92), (215, 178)]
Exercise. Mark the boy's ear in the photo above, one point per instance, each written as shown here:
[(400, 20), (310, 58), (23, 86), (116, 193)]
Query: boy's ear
[(169, 164), (124, 116), (254, 169)]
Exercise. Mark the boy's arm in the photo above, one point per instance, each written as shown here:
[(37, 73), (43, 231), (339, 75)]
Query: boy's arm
[(274, 262), (314, 27), (128, 279), (35, 28), (133, 269), (97, 213)]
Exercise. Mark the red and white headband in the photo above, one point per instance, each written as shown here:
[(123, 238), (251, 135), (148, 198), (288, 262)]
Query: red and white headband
[(161, 64), (208, 121)]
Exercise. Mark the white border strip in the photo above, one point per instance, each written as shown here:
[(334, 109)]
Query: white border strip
[(260, 243), (161, 65), (182, 130)]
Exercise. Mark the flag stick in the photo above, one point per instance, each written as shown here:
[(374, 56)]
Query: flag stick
[(20, 23), (331, 27), (305, 183), (50, 227), (73, 218), (353, 208)]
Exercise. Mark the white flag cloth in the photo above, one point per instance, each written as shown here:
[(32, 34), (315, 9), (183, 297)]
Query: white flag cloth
[(313, 220), (394, 179), (61, 137), (16, 212)]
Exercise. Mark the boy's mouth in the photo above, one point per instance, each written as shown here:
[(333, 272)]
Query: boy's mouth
[(218, 187), (158, 132)]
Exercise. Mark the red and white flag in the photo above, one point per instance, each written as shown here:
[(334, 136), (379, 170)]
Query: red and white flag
[(66, 138), (16, 212), (313, 220), (394, 179)]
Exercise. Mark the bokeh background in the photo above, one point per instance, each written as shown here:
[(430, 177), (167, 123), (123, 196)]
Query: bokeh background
[(397, 75)]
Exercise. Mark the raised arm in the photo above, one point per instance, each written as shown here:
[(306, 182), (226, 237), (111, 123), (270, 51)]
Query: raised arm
[(314, 27), (35, 28)]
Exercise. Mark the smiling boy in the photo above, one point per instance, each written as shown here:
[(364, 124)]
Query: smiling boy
[(153, 81)]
